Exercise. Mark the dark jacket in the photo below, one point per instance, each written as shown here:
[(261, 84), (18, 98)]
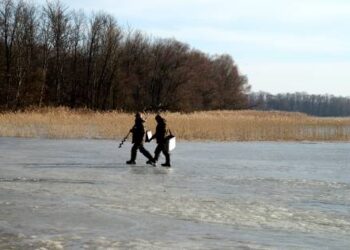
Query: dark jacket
[(138, 131), (160, 131)]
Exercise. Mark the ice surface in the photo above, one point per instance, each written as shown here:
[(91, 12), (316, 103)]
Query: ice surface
[(79, 194)]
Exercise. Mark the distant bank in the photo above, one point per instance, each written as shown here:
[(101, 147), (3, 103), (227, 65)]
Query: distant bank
[(63, 123), (316, 105)]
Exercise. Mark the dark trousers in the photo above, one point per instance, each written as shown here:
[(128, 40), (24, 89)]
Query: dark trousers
[(161, 148), (139, 146)]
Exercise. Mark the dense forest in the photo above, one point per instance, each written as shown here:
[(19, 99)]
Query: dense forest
[(318, 105), (53, 56)]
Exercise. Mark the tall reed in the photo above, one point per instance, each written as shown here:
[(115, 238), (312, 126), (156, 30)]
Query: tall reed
[(210, 125)]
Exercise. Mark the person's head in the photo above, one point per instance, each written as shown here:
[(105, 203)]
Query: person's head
[(138, 116), (159, 118)]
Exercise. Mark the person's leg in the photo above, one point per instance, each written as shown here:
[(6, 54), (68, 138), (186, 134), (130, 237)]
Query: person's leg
[(167, 157), (157, 152), (133, 154), (145, 153)]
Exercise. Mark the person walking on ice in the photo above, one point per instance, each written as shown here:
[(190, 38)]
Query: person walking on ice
[(138, 133), (160, 136)]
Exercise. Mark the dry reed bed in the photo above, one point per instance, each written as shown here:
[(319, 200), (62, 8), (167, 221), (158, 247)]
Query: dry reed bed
[(211, 125)]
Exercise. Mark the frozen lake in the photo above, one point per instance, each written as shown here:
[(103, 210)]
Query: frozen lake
[(79, 194)]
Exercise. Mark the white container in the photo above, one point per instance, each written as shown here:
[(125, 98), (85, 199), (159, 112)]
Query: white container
[(148, 135), (170, 143)]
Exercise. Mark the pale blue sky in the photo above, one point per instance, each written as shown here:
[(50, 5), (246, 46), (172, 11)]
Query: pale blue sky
[(281, 45)]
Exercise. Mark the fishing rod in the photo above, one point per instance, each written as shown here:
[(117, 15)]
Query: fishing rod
[(124, 139)]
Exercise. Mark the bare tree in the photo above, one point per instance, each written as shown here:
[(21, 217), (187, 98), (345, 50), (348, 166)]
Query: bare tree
[(9, 17), (231, 86), (170, 60), (76, 41), (45, 50), (59, 26), (135, 58), (93, 46), (67, 58), (111, 37), (24, 43)]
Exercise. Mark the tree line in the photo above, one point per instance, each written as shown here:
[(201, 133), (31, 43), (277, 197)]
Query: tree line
[(53, 56), (318, 105)]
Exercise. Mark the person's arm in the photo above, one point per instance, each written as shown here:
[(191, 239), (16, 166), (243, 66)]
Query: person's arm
[(155, 134), (133, 129)]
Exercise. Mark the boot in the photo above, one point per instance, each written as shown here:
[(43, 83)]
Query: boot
[(167, 161), (131, 162), (167, 164), (152, 163)]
